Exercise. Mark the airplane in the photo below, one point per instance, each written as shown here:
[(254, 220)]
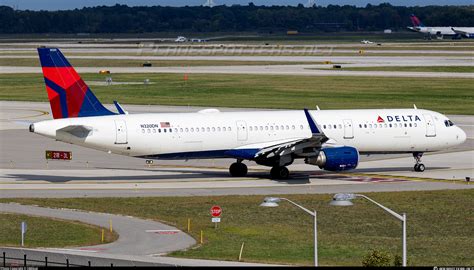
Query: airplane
[(366, 42), (333, 140), (440, 31)]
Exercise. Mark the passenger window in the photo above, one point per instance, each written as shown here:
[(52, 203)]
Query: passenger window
[(390, 125), (340, 126), (282, 127), (143, 130), (164, 130), (293, 127), (266, 127), (223, 129), (329, 126), (385, 125), (213, 129), (159, 130), (175, 130), (187, 129), (370, 125), (375, 125), (208, 129), (414, 124), (276, 127), (230, 129), (301, 126), (324, 126), (271, 127), (192, 129), (410, 124), (365, 125), (287, 128), (219, 129), (171, 130), (148, 130), (181, 130), (360, 125)]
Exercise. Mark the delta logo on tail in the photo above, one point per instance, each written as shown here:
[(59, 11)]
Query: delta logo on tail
[(68, 94), (415, 21), (380, 120)]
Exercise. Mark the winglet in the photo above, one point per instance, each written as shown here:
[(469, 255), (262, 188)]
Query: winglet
[(312, 124), (119, 108)]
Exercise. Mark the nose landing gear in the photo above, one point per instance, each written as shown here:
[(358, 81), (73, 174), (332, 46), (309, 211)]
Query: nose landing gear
[(419, 167)]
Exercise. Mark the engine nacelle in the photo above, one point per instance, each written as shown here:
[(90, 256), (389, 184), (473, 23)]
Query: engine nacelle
[(336, 159)]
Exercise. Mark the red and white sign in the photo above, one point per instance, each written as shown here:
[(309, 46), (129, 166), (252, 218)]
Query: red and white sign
[(216, 211)]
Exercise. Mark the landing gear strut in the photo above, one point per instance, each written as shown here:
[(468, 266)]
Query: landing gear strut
[(238, 169), (279, 172), (419, 167)]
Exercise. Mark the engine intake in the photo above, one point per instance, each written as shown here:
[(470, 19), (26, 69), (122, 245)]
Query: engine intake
[(336, 159)]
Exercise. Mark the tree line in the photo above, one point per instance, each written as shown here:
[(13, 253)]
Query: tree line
[(235, 18)]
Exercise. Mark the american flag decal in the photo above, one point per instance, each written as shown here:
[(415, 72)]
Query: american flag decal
[(165, 124)]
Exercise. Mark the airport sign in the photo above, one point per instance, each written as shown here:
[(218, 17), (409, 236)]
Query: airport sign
[(58, 155), (216, 219), (216, 211)]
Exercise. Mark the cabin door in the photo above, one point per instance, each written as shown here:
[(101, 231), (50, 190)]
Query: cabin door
[(120, 132), (348, 129), (430, 125), (242, 134)]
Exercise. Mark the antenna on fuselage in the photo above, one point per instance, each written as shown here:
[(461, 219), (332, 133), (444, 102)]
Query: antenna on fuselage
[(317, 108), (414, 107)]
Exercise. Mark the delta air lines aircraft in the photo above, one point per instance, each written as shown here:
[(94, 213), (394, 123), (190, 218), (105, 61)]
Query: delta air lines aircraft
[(329, 139)]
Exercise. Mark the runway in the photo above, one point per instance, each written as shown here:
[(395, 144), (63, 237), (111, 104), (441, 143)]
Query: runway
[(298, 70), (25, 172)]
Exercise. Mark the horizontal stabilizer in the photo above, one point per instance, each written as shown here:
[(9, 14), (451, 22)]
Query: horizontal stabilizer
[(79, 131)]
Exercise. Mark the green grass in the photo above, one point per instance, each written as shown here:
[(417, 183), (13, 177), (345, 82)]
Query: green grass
[(265, 91), (34, 62), (462, 69), (49, 232), (438, 226)]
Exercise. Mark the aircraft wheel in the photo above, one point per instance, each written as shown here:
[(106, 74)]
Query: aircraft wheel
[(421, 167), (238, 169), (279, 173)]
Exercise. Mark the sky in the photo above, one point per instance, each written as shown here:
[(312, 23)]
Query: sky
[(68, 4)]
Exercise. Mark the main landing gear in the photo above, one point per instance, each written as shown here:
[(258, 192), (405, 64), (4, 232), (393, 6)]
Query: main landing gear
[(279, 172), (419, 167), (238, 169)]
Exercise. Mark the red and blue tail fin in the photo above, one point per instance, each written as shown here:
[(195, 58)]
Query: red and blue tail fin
[(68, 94), (415, 21)]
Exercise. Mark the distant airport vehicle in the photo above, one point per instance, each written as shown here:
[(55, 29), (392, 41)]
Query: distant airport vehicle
[(440, 31), (366, 42), (330, 139), (181, 39)]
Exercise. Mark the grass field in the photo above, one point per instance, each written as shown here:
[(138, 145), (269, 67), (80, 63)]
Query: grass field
[(438, 226), (34, 62), (264, 91), (48, 232), (463, 69)]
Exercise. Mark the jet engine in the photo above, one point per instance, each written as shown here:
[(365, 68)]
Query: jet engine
[(336, 158)]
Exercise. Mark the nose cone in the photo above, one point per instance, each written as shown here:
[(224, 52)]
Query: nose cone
[(461, 136)]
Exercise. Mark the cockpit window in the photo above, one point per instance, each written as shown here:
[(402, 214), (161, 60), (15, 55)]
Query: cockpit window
[(448, 123)]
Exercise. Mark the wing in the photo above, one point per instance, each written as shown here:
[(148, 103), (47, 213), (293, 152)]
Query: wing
[(283, 151)]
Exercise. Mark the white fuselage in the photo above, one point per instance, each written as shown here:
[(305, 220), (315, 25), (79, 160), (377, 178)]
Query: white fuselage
[(209, 134), (443, 30)]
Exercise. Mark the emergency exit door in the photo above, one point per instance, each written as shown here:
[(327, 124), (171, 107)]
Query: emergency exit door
[(348, 129)]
